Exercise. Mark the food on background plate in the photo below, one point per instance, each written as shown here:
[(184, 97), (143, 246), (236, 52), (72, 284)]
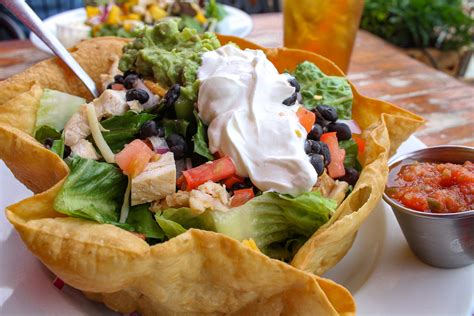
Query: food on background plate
[(433, 187), (184, 143), (126, 18)]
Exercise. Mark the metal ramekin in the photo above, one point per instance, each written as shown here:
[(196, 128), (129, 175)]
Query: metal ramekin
[(441, 240)]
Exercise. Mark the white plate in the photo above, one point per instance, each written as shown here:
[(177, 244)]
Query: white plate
[(380, 271), (236, 22)]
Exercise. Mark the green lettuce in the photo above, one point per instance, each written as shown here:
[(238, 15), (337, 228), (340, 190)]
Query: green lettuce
[(215, 10), (56, 108), (201, 146), (318, 88), (141, 220), (352, 152), (46, 131), (93, 190), (279, 224), (123, 129)]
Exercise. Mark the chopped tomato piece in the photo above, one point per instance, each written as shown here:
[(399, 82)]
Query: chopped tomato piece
[(215, 171), (360, 143), (180, 181), (118, 86), (134, 158), (241, 197), (306, 118), (233, 180), (336, 166)]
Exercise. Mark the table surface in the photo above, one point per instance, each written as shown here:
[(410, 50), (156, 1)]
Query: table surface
[(377, 69)]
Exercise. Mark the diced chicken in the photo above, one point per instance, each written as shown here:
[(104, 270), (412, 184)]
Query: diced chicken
[(325, 184), (156, 182), (77, 128), (339, 190), (200, 202), (208, 196), (330, 188), (85, 149), (215, 190), (110, 103), (106, 79), (175, 200)]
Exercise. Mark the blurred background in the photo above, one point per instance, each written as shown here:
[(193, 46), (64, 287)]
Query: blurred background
[(438, 33)]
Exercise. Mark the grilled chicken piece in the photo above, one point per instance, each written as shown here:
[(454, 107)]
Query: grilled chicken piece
[(85, 149), (110, 103), (156, 182)]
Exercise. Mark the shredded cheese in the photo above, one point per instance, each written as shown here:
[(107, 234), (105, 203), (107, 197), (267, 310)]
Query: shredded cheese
[(126, 203), (251, 244), (99, 140)]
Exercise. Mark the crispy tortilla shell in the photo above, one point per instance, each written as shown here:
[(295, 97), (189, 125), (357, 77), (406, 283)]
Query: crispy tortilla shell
[(198, 272)]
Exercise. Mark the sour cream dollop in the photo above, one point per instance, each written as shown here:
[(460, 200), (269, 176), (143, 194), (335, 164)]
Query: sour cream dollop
[(240, 99)]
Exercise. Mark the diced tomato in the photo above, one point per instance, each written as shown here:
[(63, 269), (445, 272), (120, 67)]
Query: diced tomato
[(336, 166), (118, 86), (180, 181), (241, 197), (360, 143), (233, 180), (306, 118), (215, 171), (134, 158)]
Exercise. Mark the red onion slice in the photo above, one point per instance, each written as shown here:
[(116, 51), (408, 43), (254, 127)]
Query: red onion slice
[(159, 144)]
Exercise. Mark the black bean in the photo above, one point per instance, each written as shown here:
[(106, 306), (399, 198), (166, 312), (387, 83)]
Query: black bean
[(343, 132), (109, 86), (291, 100), (294, 83), (67, 151), (118, 79), (312, 147), (149, 129), (326, 154), (129, 81), (329, 113), (137, 94), (48, 142), (350, 177), (318, 163), (239, 186), (316, 132), (177, 145), (130, 72), (172, 95)]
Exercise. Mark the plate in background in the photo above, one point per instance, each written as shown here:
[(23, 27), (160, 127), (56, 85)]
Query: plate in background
[(236, 23), (380, 271)]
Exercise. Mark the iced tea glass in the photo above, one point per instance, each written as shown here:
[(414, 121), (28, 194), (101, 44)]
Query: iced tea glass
[(326, 27)]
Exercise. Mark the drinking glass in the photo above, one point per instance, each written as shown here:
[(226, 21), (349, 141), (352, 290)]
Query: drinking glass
[(326, 27)]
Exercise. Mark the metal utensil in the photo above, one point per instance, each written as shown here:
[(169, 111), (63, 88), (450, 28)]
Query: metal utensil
[(27, 16), (444, 240)]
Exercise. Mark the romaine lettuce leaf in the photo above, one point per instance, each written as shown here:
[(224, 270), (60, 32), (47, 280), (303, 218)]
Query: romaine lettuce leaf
[(56, 108), (93, 190), (142, 221), (201, 146), (318, 88), (46, 131), (352, 152), (122, 129), (177, 221), (279, 224)]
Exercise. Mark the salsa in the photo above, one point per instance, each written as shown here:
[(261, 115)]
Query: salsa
[(433, 187)]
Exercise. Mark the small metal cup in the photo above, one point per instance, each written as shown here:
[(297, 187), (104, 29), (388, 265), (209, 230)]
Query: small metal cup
[(442, 240)]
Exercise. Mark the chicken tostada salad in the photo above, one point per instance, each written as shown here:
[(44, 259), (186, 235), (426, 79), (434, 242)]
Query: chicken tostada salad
[(191, 134), (203, 157)]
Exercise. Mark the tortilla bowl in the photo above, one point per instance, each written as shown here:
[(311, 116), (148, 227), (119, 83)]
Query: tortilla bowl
[(198, 272)]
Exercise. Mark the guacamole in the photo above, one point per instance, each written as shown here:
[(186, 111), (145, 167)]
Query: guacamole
[(170, 56)]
